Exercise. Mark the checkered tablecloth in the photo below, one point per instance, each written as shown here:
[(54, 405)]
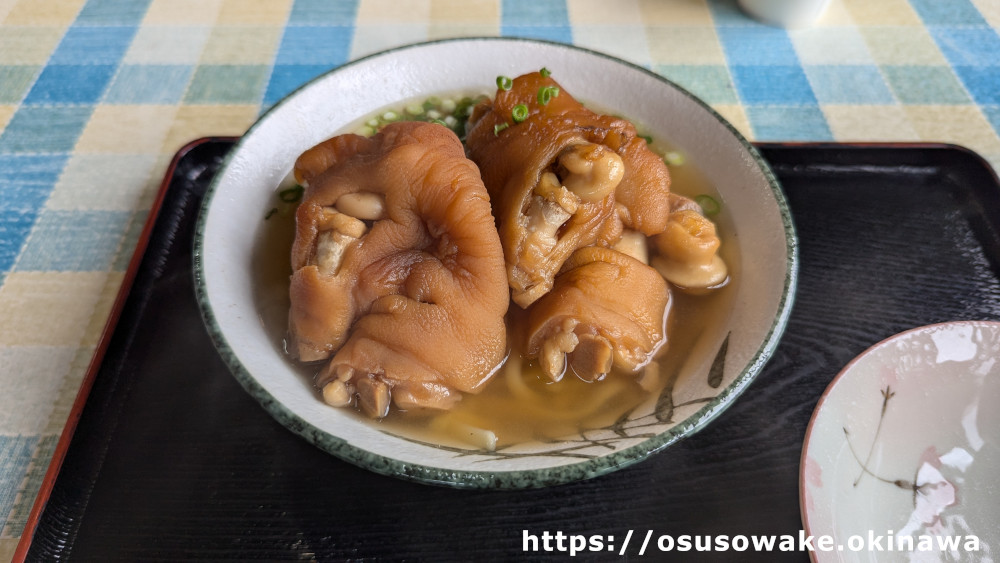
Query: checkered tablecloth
[(97, 95)]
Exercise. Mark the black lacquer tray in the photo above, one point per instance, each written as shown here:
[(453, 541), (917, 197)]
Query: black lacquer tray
[(165, 457)]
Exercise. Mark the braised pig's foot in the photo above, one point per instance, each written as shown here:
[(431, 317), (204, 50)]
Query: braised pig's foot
[(584, 173), (607, 309), (689, 255), (398, 270)]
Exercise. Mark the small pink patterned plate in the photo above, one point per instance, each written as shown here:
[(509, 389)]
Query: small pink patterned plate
[(905, 443)]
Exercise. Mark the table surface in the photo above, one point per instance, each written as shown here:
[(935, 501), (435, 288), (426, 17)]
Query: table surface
[(97, 95)]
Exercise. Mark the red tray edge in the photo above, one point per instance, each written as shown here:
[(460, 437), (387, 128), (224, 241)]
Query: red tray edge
[(66, 437)]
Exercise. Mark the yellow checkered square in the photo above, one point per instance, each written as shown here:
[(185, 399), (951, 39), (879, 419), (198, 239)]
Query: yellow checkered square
[(6, 112), (43, 12), (484, 13), (869, 123), (193, 122), (50, 308), (882, 12), (450, 30), (959, 124), (675, 13), (181, 12), (254, 12), (684, 45), (126, 129), (28, 45), (241, 45), (902, 45)]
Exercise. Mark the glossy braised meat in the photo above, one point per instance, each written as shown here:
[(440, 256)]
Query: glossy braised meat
[(562, 179), (688, 248), (606, 309), (398, 270)]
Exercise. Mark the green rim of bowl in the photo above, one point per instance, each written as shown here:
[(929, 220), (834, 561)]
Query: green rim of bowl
[(515, 479)]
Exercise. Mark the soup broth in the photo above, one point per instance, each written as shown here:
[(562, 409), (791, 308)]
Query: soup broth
[(519, 404)]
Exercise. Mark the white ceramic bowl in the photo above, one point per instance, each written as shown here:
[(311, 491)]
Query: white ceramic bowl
[(244, 190), (905, 442)]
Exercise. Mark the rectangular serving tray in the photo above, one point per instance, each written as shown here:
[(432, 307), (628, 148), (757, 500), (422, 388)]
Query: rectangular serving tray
[(165, 457)]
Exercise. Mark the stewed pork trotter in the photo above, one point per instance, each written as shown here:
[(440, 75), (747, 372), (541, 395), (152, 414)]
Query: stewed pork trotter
[(689, 252), (606, 309), (561, 177), (398, 270)]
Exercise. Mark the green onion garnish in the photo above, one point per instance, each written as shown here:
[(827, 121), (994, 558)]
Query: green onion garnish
[(546, 93), (519, 113), (674, 158), (708, 204), (292, 194), (504, 83), (544, 72), (647, 138), (500, 127), (462, 107), (439, 122)]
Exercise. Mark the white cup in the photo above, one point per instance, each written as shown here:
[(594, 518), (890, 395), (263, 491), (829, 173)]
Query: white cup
[(785, 13)]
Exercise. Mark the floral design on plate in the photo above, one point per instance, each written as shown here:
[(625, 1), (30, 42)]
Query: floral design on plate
[(635, 424), (905, 443)]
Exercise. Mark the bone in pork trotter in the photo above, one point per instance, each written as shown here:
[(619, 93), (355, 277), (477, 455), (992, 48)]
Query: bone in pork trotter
[(561, 179), (606, 309), (398, 270)]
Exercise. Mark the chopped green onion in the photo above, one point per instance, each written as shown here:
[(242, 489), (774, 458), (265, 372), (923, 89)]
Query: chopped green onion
[(544, 72), (504, 83), (708, 204), (439, 122), (270, 213), (519, 113), (292, 194), (462, 107), (500, 127), (546, 93), (674, 158), (647, 138), (414, 109)]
